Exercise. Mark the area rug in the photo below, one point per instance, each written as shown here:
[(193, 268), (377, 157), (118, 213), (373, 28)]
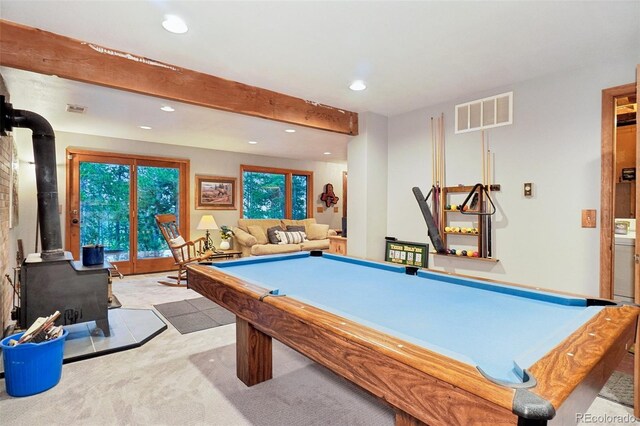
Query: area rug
[(619, 388), (197, 314)]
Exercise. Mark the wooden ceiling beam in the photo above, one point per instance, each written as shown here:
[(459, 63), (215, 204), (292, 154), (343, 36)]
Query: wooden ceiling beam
[(43, 52)]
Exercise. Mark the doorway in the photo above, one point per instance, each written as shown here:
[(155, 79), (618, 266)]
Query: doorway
[(609, 179), (112, 201)]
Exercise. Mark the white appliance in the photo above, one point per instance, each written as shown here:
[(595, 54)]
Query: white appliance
[(623, 286)]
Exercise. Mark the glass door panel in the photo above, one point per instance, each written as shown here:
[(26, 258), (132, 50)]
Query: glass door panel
[(300, 185), (158, 193), (264, 195), (105, 191)]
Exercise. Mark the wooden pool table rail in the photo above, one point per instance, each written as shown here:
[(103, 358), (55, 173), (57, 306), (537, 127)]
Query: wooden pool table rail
[(419, 383), (590, 355)]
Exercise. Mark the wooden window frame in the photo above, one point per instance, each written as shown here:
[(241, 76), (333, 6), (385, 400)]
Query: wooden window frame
[(288, 187)]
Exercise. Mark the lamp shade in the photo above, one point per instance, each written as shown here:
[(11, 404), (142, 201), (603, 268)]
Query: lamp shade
[(207, 222)]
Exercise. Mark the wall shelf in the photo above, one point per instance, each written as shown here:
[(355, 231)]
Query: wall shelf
[(453, 256), (475, 219)]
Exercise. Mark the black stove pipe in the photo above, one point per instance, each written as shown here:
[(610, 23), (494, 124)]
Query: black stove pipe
[(44, 153)]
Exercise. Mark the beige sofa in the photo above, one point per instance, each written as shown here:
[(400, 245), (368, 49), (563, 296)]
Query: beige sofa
[(251, 236)]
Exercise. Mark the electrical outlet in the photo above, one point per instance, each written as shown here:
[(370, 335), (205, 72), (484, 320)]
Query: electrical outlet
[(528, 189)]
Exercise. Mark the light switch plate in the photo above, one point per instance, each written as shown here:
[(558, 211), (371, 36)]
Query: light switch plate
[(588, 218)]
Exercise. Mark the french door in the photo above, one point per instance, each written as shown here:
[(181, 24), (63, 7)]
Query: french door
[(112, 200)]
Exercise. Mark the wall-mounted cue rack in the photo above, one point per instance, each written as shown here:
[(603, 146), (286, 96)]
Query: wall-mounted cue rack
[(466, 234)]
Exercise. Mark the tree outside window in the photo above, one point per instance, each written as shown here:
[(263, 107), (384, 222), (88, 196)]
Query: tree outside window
[(275, 193)]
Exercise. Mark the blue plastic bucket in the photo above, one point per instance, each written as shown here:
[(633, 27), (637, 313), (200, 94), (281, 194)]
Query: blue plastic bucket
[(31, 368)]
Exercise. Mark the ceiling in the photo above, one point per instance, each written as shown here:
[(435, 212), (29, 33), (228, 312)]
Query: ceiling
[(410, 54)]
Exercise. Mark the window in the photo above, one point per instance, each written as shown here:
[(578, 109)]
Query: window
[(269, 193)]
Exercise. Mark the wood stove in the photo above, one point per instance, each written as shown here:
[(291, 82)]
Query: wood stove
[(52, 280)]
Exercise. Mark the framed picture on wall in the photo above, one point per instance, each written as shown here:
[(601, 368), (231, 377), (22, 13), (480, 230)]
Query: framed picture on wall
[(215, 193)]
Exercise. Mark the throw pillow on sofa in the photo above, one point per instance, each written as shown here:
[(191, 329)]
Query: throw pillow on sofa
[(296, 228), (272, 236), (295, 237), (317, 231), (258, 232)]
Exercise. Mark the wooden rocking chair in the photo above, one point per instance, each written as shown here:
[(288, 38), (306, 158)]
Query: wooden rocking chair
[(184, 252)]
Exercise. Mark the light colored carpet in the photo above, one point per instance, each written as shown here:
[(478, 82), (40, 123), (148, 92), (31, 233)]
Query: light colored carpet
[(190, 379), (619, 388)]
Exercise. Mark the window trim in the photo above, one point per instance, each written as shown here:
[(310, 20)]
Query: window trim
[(288, 187)]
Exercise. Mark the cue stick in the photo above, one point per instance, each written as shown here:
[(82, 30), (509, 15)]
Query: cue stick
[(433, 156), (482, 206), (435, 206), (489, 170), (482, 159), (442, 165), (436, 193)]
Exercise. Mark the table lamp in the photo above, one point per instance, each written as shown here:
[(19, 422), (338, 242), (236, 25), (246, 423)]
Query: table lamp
[(207, 222)]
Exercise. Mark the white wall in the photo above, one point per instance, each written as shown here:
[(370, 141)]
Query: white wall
[(202, 161), (553, 142), (367, 210)]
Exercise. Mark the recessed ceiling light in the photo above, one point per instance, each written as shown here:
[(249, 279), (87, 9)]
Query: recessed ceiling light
[(290, 130), (327, 153), (253, 142), (145, 127), (175, 25), (357, 85), (167, 108)]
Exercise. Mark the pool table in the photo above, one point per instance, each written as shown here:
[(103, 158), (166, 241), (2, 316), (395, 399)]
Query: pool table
[(441, 349)]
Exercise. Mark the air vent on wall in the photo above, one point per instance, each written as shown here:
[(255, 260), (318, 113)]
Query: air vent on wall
[(485, 113), (78, 109)]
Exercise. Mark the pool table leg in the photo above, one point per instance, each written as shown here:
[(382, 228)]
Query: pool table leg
[(253, 354), (404, 419)]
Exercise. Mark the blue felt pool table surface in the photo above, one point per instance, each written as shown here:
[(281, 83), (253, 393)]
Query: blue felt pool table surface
[(499, 328)]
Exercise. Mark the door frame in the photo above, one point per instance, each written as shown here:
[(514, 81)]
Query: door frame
[(607, 212), (607, 188), (134, 265), (344, 193)]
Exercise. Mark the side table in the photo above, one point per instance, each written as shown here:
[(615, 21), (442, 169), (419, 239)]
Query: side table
[(338, 245)]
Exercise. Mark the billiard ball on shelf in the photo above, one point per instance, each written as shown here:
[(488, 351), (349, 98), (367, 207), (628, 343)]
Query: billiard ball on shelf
[(447, 229), (447, 207)]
